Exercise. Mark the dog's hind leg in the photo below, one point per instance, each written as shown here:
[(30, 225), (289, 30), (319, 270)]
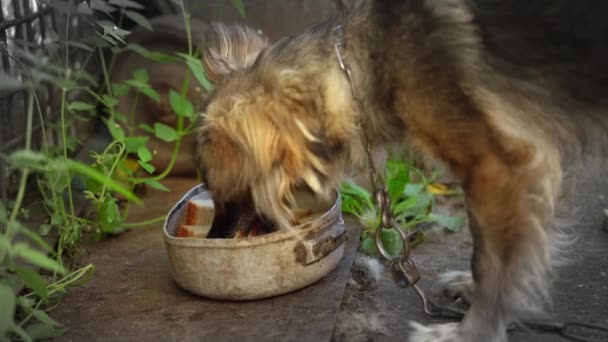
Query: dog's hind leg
[(509, 207)]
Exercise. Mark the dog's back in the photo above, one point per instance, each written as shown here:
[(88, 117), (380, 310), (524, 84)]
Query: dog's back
[(553, 56)]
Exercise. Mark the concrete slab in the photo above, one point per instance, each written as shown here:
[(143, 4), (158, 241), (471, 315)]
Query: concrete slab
[(581, 289), (133, 298)]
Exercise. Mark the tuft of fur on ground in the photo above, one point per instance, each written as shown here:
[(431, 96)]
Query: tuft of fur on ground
[(366, 272), (356, 322)]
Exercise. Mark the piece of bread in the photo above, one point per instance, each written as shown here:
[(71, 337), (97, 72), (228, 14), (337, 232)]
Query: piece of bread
[(193, 231), (199, 212)]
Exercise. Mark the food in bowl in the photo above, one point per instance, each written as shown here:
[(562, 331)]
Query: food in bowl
[(199, 215)]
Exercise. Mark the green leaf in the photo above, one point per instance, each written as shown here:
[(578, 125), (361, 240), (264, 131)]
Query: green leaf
[(401, 206), (37, 258), (127, 4), (146, 128), (5, 247), (153, 56), (27, 158), (99, 177), (78, 45), (120, 117), (81, 106), (108, 216), (391, 239), (156, 185), (197, 69), (413, 189), (41, 331), (370, 220), (448, 222), (7, 309), (109, 210), (148, 167), (117, 132), (33, 280), (25, 337), (351, 206), (109, 101), (58, 179), (120, 89), (133, 144), (368, 245), (26, 302), (3, 213), (44, 318), (180, 105), (144, 154), (137, 84), (151, 93), (102, 6), (349, 189), (420, 238), (164, 132), (111, 30), (141, 75), (398, 176), (45, 229), (32, 235), (139, 19), (12, 283), (238, 4)]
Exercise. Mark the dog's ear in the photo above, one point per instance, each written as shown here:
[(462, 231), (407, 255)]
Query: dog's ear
[(229, 48), (221, 160)]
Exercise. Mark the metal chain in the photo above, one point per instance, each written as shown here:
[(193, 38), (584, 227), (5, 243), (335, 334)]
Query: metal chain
[(374, 175), (404, 270)]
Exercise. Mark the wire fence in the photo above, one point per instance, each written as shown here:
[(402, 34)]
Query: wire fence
[(32, 27)]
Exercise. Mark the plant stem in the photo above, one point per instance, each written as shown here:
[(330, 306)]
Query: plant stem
[(63, 126), (25, 171), (178, 141), (186, 16), (111, 172), (106, 78), (65, 149), (132, 114), (146, 222)]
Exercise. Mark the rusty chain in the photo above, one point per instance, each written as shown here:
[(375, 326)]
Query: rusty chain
[(403, 269)]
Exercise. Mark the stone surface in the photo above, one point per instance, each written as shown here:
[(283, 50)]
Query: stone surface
[(132, 296), (581, 288)]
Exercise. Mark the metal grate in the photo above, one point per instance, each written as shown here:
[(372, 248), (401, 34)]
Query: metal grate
[(33, 26), (30, 26)]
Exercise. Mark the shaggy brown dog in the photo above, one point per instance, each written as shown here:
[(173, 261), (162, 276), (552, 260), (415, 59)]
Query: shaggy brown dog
[(169, 36), (505, 94)]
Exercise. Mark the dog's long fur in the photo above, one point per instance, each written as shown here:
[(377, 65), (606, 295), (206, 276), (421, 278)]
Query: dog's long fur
[(506, 94)]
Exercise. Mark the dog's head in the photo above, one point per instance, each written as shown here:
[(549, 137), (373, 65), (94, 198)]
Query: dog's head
[(269, 130)]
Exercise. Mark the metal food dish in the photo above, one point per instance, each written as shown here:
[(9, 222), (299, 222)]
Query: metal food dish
[(256, 267)]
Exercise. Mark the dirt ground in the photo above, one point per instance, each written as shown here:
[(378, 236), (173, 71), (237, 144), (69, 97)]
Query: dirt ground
[(581, 286)]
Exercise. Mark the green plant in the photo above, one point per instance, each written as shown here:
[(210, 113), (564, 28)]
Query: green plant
[(26, 259), (411, 205)]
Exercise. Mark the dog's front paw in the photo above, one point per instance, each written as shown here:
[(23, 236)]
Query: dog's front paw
[(448, 332), (457, 285)]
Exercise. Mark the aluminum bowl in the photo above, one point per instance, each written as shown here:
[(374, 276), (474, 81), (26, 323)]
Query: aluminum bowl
[(256, 267)]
